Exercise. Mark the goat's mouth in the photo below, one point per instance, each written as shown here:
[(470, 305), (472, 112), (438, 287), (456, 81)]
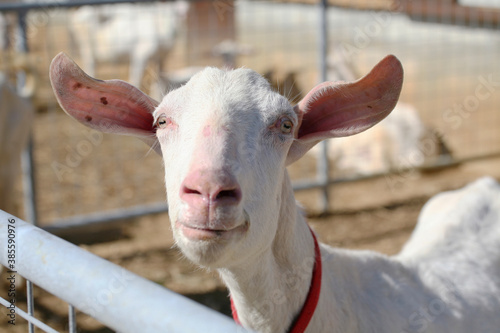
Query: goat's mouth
[(204, 233)]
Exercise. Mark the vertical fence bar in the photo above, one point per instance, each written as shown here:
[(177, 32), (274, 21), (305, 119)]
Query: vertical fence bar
[(27, 164), (72, 319), (323, 163), (30, 304)]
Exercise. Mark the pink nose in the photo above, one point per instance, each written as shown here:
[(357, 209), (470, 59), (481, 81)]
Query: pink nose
[(210, 188)]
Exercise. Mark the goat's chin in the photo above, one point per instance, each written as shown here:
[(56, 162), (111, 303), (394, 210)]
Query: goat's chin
[(209, 248)]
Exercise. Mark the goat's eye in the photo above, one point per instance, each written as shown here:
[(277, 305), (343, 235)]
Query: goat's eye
[(162, 121), (286, 126)]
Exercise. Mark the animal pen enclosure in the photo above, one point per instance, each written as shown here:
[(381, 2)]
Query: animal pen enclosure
[(87, 182)]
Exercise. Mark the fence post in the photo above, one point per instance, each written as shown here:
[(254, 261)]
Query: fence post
[(27, 164), (323, 163)]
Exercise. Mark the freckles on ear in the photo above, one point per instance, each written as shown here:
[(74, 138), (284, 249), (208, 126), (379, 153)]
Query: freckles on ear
[(111, 106)]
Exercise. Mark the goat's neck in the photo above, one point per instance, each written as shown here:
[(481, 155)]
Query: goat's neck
[(270, 291)]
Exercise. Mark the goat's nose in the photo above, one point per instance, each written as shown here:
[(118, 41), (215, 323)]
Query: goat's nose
[(204, 187)]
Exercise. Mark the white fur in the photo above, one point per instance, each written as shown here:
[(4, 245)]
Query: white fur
[(222, 131), (269, 269)]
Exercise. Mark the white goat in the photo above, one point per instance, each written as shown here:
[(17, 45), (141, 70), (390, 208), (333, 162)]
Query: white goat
[(401, 140), (398, 141), (226, 138), (140, 32)]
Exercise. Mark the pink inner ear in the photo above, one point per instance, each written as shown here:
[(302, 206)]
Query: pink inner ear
[(101, 107), (336, 109), (110, 106)]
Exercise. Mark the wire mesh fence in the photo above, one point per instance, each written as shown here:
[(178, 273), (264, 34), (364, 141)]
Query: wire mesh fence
[(450, 85), (449, 110)]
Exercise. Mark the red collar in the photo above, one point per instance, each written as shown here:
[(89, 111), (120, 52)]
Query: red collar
[(305, 315)]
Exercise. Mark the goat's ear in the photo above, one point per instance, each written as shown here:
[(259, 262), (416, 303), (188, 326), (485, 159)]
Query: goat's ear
[(338, 109), (112, 106)]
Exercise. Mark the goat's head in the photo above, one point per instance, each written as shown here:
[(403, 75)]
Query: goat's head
[(226, 138)]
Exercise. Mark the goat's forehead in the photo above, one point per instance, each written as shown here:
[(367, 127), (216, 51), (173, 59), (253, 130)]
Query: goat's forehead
[(212, 78), (231, 94)]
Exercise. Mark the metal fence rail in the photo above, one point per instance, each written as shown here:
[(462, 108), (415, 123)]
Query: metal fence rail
[(114, 296)]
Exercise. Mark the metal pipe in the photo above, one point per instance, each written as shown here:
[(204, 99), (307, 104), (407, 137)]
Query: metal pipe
[(27, 165), (29, 318), (114, 296), (323, 163), (30, 304), (48, 4), (323, 39), (72, 319), (102, 220)]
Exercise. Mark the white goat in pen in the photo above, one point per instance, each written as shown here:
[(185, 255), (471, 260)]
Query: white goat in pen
[(401, 140), (141, 32), (226, 138), (395, 143)]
